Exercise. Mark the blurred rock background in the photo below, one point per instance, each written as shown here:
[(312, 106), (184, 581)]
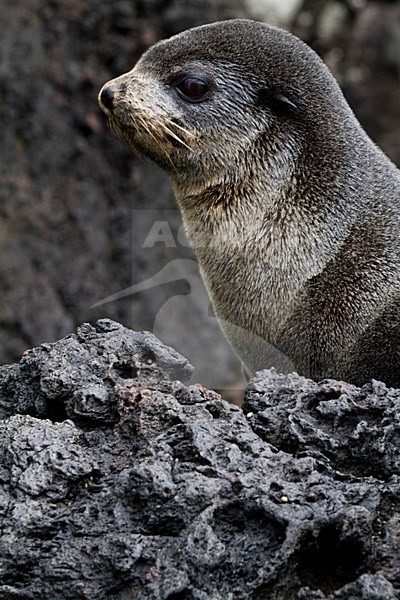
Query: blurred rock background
[(80, 216)]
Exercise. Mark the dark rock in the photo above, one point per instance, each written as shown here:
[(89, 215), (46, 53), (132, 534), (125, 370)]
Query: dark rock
[(117, 481), (77, 376), (353, 429)]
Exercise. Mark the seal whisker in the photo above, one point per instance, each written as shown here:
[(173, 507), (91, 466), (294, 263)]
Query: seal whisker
[(115, 129), (196, 136), (176, 137), (145, 126), (186, 131)]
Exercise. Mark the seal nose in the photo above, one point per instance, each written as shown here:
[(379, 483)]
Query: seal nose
[(107, 97)]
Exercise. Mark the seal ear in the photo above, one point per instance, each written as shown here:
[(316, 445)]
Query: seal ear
[(276, 101), (283, 99)]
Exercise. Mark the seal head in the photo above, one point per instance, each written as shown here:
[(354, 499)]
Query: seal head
[(291, 209)]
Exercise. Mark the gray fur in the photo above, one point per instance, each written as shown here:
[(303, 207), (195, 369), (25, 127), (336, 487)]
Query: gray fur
[(293, 212)]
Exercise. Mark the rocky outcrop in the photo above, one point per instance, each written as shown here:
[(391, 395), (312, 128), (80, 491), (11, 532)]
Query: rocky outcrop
[(118, 481)]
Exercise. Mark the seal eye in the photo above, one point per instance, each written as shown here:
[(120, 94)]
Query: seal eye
[(192, 89)]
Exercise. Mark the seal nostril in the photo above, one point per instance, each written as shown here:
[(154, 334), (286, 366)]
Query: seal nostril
[(107, 97)]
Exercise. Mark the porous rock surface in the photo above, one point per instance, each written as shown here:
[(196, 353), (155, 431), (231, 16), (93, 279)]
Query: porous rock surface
[(119, 482)]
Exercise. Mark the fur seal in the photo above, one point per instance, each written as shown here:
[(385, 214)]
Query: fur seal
[(293, 212)]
